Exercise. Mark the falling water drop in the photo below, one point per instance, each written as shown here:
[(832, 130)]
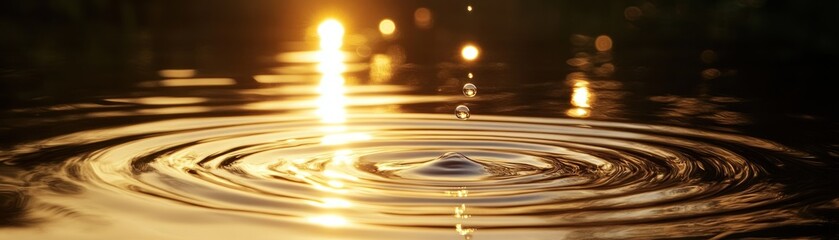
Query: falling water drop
[(462, 112), (469, 90)]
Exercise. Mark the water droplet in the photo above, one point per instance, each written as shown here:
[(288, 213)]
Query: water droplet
[(470, 90), (470, 75), (462, 112)]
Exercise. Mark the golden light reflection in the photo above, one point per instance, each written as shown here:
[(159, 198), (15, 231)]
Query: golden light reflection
[(339, 175), (282, 78), (581, 95), (387, 27), (331, 104), (331, 108), (177, 73), (463, 231), (332, 187), (422, 18), (469, 8), (578, 112), (331, 63), (581, 99), (196, 82), (460, 214), (343, 157), (329, 220), (458, 193), (603, 43), (331, 34), (332, 99), (335, 183), (331, 203), (160, 100), (381, 68), (469, 52), (344, 138)]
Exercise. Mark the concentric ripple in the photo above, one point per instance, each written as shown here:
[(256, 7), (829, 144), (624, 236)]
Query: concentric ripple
[(553, 178)]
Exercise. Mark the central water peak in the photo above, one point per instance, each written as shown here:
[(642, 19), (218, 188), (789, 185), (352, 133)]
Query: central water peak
[(449, 166)]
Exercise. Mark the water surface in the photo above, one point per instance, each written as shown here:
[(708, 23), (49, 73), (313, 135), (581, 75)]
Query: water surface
[(331, 137)]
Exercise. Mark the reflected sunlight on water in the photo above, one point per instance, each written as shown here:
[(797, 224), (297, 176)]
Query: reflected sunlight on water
[(329, 220), (189, 82), (387, 27), (350, 135), (581, 99), (469, 52), (332, 100), (177, 73)]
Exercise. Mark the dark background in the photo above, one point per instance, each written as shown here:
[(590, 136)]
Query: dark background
[(781, 52)]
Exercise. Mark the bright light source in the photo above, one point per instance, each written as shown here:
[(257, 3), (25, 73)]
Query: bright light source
[(331, 34), (469, 52), (387, 27)]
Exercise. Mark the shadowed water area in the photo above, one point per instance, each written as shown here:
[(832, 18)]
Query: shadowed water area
[(417, 120)]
